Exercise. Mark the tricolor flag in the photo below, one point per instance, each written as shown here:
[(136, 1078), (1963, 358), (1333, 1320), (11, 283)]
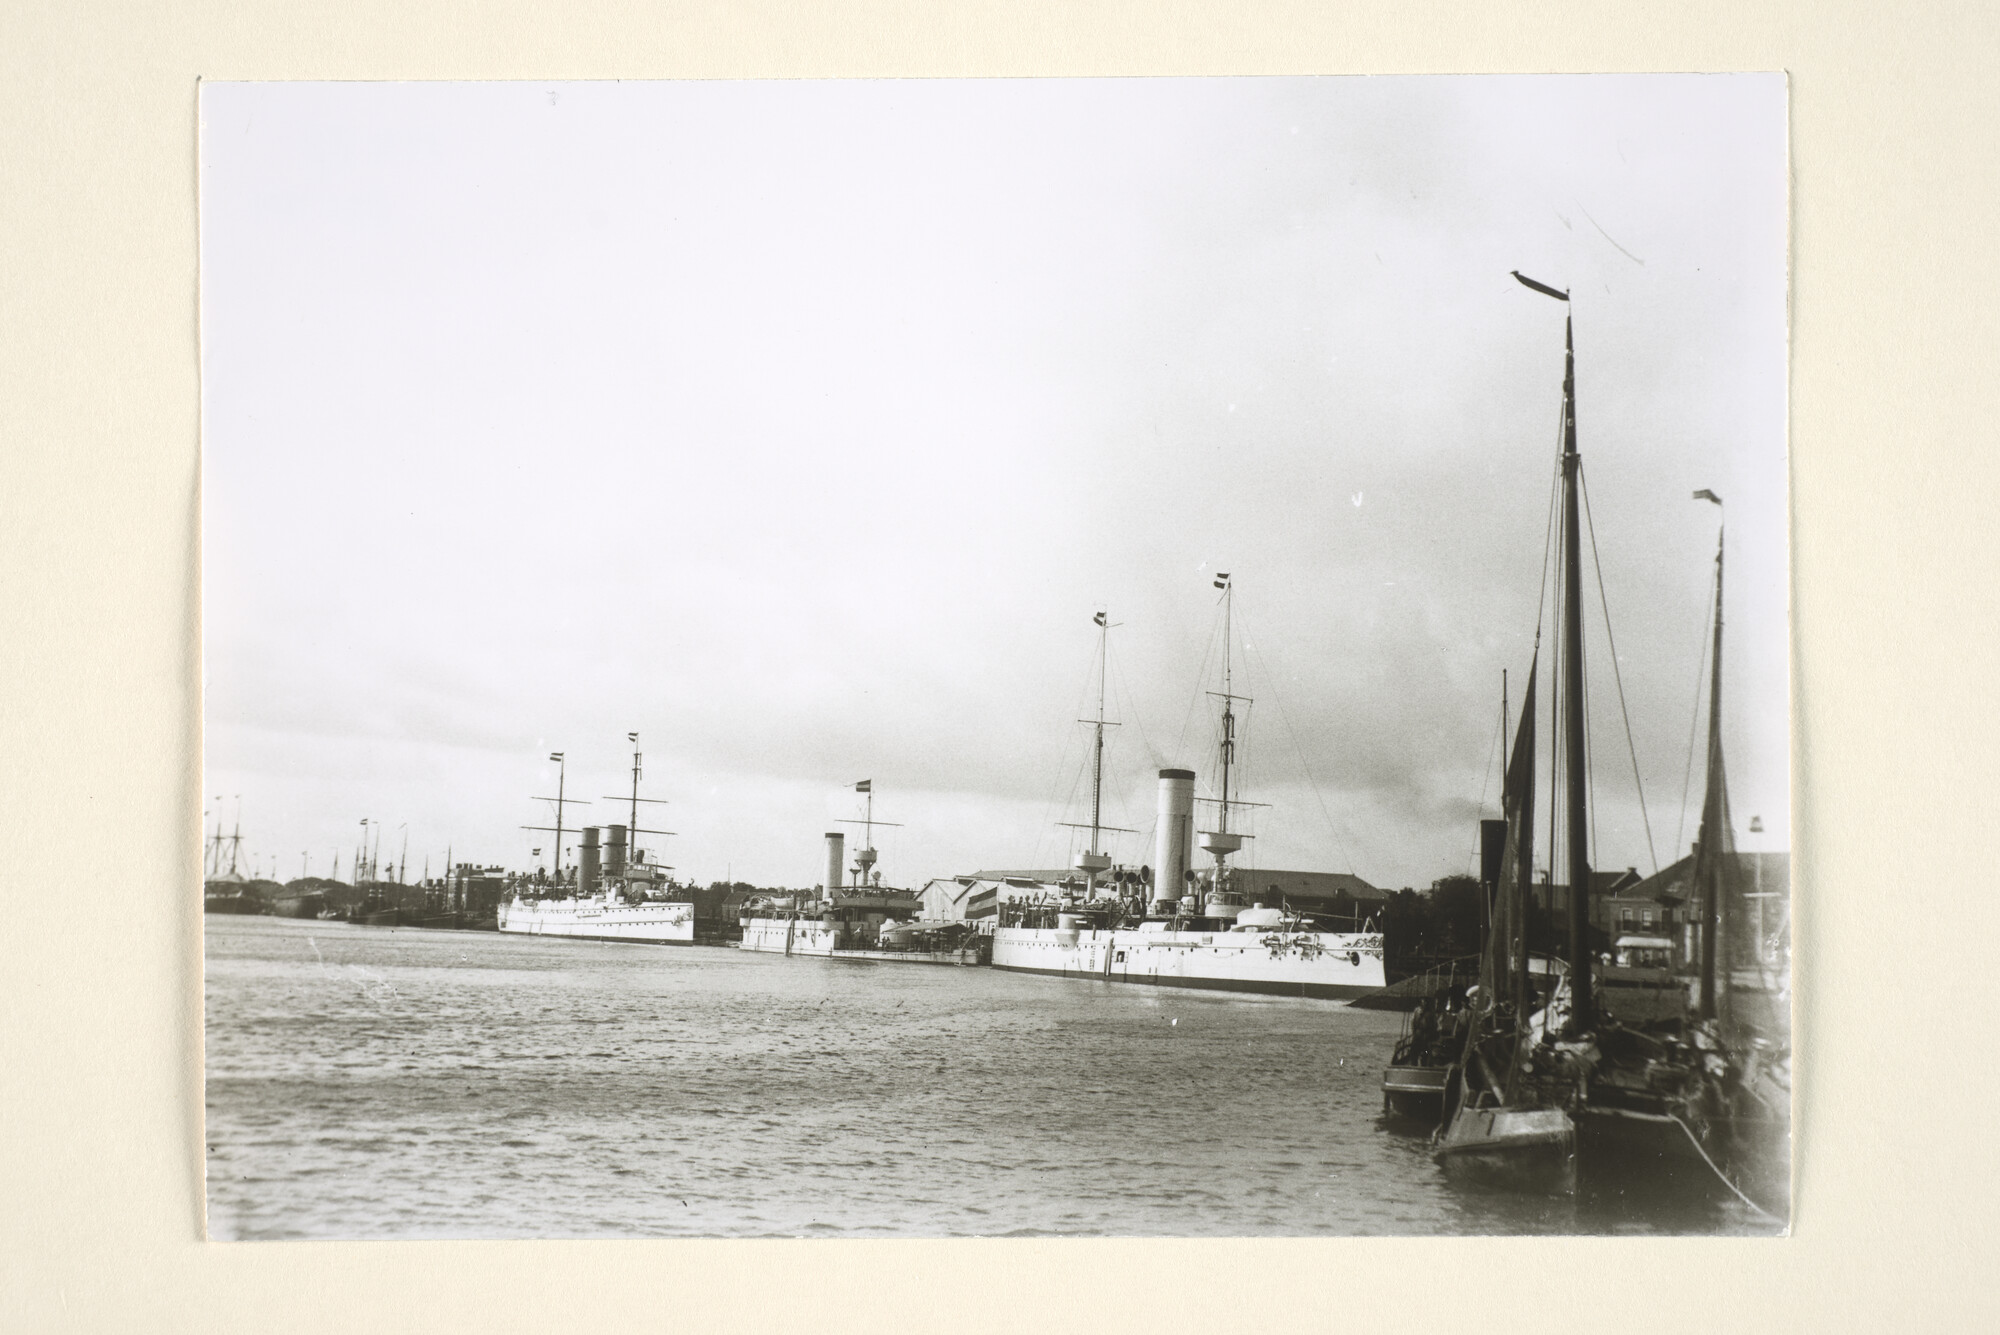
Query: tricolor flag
[(864, 786), (1221, 579), (556, 756), (631, 736), (1706, 495), (1099, 618)]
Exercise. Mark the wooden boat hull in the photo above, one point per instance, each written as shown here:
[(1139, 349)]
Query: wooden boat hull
[(1518, 1149), (231, 904), (1415, 1092), (1623, 1151), (1626, 1153)]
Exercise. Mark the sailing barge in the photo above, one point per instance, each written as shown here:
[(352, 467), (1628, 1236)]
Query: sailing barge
[(1570, 1095)]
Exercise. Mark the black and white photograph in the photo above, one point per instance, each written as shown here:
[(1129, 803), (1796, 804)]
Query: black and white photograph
[(930, 658)]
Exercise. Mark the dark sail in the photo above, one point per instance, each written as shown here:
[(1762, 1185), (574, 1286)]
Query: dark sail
[(1517, 868)]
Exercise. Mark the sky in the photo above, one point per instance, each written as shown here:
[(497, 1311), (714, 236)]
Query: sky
[(803, 427)]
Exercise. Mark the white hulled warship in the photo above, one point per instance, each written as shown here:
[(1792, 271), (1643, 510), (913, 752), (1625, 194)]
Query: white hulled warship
[(614, 893), (860, 919), (1198, 931)]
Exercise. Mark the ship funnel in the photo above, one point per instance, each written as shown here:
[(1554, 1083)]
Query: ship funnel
[(586, 875), (614, 853), (1173, 843), (836, 859)]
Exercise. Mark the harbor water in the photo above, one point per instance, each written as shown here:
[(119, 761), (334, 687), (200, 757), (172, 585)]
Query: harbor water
[(403, 1083)]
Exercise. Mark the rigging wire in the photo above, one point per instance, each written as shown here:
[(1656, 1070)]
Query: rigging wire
[(1057, 803), (1545, 600), (1556, 677), (1124, 693), (1194, 698), (1270, 678), (1687, 780), (1616, 676), (1549, 534)]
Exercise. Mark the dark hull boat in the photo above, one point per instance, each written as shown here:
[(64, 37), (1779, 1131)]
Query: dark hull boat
[(1614, 1089), (1415, 1092), (1512, 1148), (231, 904)]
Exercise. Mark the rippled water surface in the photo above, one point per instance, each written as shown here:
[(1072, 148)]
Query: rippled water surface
[(401, 1083)]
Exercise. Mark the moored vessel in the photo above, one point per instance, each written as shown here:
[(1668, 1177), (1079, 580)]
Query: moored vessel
[(1198, 930), (614, 893), (1653, 1100), (861, 919)]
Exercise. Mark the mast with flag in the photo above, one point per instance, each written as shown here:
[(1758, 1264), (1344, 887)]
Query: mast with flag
[(1713, 847), (865, 859), (562, 775), (1575, 759), (632, 826), (1223, 841), (1095, 861)]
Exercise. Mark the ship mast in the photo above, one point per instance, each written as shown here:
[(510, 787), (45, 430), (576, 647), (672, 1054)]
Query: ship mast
[(865, 859), (632, 830), (1582, 1004), (562, 778), (1097, 755), (1708, 862), (1222, 841), (1095, 862)]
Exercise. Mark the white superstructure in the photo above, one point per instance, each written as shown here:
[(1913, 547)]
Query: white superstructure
[(862, 920), (1260, 952), (615, 892), (601, 918), (1198, 931)]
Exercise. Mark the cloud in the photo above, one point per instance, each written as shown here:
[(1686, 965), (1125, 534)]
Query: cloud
[(802, 427)]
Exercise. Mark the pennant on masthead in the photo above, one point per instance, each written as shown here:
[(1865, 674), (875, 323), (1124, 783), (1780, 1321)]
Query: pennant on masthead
[(1542, 288)]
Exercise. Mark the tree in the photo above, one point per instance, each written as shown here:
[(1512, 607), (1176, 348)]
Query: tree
[(1457, 912)]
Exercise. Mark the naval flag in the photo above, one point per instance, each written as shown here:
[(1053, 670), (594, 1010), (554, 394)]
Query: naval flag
[(864, 786), (556, 756), (1221, 579), (631, 736), (1706, 495), (1099, 618)]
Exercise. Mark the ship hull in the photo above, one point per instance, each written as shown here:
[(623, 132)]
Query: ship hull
[(1515, 1149), (1326, 965), (230, 904), (654, 923), (1415, 1092), (778, 936)]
